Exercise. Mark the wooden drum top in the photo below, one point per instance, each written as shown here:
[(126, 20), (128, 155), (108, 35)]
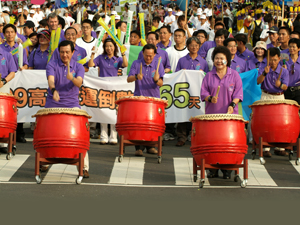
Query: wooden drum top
[(71, 111), (213, 117)]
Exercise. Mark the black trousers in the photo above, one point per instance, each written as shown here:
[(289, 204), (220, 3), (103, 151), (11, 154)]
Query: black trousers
[(20, 131)]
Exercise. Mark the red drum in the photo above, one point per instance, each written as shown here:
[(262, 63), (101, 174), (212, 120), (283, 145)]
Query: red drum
[(61, 133), (218, 138), (141, 118), (276, 121), (8, 114)]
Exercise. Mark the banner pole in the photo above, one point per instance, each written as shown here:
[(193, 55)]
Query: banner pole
[(186, 3)]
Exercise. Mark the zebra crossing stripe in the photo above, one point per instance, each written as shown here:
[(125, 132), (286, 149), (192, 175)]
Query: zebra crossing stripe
[(129, 171), (297, 167), (9, 167), (61, 173)]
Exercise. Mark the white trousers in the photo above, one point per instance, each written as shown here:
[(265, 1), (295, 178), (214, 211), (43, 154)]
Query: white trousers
[(4, 89), (113, 137)]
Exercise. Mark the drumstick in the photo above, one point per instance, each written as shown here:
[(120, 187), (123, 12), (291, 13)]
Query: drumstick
[(68, 67), (217, 92), (279, 74), (268, 59), (141, 68), (159, 60)]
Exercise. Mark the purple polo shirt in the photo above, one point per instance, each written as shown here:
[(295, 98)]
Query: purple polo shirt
[(231, 87), (270, 45), (294, 72), (94, 34), (188, 63), (38, 59), (146, 87), (22, 37), (287, 51), (269, 83), (161, 45), (238, 64), (5, 66), (205, 47), (68, 92), (7, 48), (160, 53), (79, 53), (108, 66), (255, 64), (246, 55), (62, 35)]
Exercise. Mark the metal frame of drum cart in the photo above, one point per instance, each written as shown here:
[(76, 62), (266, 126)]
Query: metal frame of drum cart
[(234, 167), (263, 144), (11, 144), (124, 143)]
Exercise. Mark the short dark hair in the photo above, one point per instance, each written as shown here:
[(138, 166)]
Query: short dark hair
[(149, 46), (166, 27), (66, 43), (274, 51), (52, 15), (219, 24), (296, 32), (8, 26), (119, 24), (195, 34), (157, 19), (62, 22), (69, 28), (288, 30), (114, 43), (180, 30), (268, 18), (223, 50), (32, 34), (226, 42), (87, 21), (242, 38), (222, 32), (136, 32), (193, 38), (181, 18), (43, 23), (295, 41), (156, 35)]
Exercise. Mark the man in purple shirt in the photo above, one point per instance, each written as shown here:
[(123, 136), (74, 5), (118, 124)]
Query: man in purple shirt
[(273, 36), (284, 37), (152, 38), (242, 51), (53, 25), (7, 71), (147, 81), (237, 63), (165, 35), (273, 87)]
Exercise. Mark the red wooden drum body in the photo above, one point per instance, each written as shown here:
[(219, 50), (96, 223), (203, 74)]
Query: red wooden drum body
[(218, 138), (8, 114), (61, 133), (141, 118), (276, 121)]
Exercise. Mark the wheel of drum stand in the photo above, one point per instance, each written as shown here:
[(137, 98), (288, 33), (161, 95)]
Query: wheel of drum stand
[(253, 155), (159, 159), (237, 178), (120, 159), (201, 183), (290, 156), (244, 183), (14, 150), (38, 179), (297, 161), (195, 178), (262, 161), (8, 156), (79, 179)]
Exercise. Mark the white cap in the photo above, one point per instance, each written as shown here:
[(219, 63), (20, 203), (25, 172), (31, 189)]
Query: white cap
[(117, 17), (5, 8), (33, 6), (98, 29), (113, 13), (19, 10), (170, 10), (25, 8), (199, 10), (177, 14), (38, 6), (202, 17), (91, 3), (199, 13), (31, 11), (41, 29)]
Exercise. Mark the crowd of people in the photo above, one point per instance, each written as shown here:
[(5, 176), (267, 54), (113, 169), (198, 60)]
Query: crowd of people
[(213, 37)]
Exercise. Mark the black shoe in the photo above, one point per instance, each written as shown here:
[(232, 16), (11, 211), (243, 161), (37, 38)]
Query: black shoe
[(21, 140), (226, 174), (213, 174), (4, 150)]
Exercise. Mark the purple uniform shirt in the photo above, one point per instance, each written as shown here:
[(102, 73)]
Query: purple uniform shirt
[(38, 59), (255, 64), (7, 48), (287, 51), (294, 72), (269, 83), (23, 38), (94, 34), (5, 66), (270, 45), (205, 47), (146, 87), (108, 66), (188, 63), (79, 53), (238, 64), (161, 45), (246, 55), (68, 92), (231, 87), (160, 53)]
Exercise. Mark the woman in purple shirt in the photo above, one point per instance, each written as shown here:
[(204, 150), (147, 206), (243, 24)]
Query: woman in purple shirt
[(108, 64), (230, 94), (260, 59)]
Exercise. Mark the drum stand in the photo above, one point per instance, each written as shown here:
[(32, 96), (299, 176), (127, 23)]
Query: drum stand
[(11, 144), (46, 161), (234, 167), (263, 144), (124, 143)]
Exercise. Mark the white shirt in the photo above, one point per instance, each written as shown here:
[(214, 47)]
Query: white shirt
[(125, 16), (174, 26), (209, 61), (146, 14), (174, 55), (36, 24), (89, 45), (48, 11), (169, 19), (208, 12)]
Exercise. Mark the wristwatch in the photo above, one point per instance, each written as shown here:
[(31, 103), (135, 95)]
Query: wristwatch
[(4, 81), (52, 90), (232, 104)]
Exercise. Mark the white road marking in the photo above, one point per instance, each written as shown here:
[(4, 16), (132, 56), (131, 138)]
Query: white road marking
[(61, 173), (9, 167), (297, 167)]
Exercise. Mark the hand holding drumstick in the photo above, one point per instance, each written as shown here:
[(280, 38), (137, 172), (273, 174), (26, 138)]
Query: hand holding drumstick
[(140, 75), (156, 75), (215, 98)]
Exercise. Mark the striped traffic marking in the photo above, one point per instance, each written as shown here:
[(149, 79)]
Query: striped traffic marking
[(9, 167), (61, 173)]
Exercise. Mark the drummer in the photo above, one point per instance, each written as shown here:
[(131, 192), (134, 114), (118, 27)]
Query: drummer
[(7, 71), (272, 87), (63, 86), (147, 83), (230, 91)]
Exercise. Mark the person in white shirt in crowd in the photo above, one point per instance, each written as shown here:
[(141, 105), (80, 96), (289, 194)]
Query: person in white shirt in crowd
[(202, 25), (208, 10), (125, 13), (228, 17), (170, 18), (69, 20), (39, 15), (268, 23), (174, 25), (48, 10), (146, 13)]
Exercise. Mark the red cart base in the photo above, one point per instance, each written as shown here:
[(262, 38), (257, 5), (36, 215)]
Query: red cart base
[(235, 167), (46, 161), (263, 144), (11, 142), (124, 143)]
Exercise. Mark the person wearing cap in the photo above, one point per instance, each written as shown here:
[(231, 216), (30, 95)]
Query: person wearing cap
[(284, 37), (39, 57), (242, 51), (237, 63), (274, 38), (170, 18), (39, 15), (28, 28), (30, 17), (260, 60), (174, 26), (52, 21), (201, 24), (208, 10)]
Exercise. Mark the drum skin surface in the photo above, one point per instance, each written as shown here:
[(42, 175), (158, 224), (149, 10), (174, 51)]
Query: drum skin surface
[(61, 135), (141, 118), (8, 114), (218, 138), (275, 121)]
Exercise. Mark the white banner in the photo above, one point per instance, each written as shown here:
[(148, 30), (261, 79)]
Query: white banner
[(98, 95)]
